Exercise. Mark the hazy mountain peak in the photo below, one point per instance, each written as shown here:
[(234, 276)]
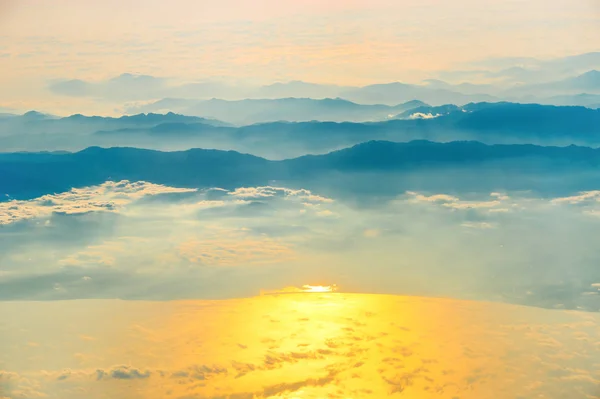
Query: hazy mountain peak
[(592, 77), (35, 115)]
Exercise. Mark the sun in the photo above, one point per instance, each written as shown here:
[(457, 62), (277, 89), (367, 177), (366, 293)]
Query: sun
[(305, 289), (319, 288)]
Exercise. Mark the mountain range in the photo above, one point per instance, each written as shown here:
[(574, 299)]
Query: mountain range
[(36, 122), (491, 123), (570, 80), (374, 167), (250, 111), (583, 90)]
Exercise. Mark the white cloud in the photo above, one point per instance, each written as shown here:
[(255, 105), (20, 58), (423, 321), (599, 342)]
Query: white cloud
[(454, 202), (586, 196), (269, 192), (500, 196), (107, 197), (421, 115), (472, 204), (432, 198)]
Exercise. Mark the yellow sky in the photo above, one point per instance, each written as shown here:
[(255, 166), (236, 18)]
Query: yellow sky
[(348, 42)]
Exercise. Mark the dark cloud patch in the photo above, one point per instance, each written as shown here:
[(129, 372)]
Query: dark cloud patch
[(200, 372), (123, 373), (289, 387)]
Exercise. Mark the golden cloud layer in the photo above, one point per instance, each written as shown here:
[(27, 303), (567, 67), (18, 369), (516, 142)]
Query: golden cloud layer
[(298, 345)]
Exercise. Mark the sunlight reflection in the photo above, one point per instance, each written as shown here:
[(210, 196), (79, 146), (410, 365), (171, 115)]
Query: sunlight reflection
[(315, 344)]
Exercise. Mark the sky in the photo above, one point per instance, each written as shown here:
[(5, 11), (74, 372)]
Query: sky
[(337, 42)]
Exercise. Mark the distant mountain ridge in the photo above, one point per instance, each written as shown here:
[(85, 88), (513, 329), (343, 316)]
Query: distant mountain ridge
[(250, 111), (586, 83), (89, 124), (490, 123), (148, 118), (30, 175), (522, 79)]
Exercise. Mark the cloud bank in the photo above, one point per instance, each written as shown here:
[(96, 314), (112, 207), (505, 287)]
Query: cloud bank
[(110, 197), (146, 241)]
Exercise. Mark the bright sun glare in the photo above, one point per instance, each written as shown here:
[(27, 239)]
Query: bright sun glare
[(319, 288), (306, 288)]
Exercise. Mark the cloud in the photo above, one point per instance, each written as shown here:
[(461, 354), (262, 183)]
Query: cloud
[(236, 248), (473, 204), (161, 242), (103, 254), (584, 197), (444, 198), (453, 202), (157, 233), (421, 115), (268, 191), (107, 197), (141, 200), (15, 385), (200, 372), (479, 225), (123, 373)]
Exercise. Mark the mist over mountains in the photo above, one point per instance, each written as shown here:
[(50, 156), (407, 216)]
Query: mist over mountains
[(491, 123), (245, 112), (572, 80), (565, 91)]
